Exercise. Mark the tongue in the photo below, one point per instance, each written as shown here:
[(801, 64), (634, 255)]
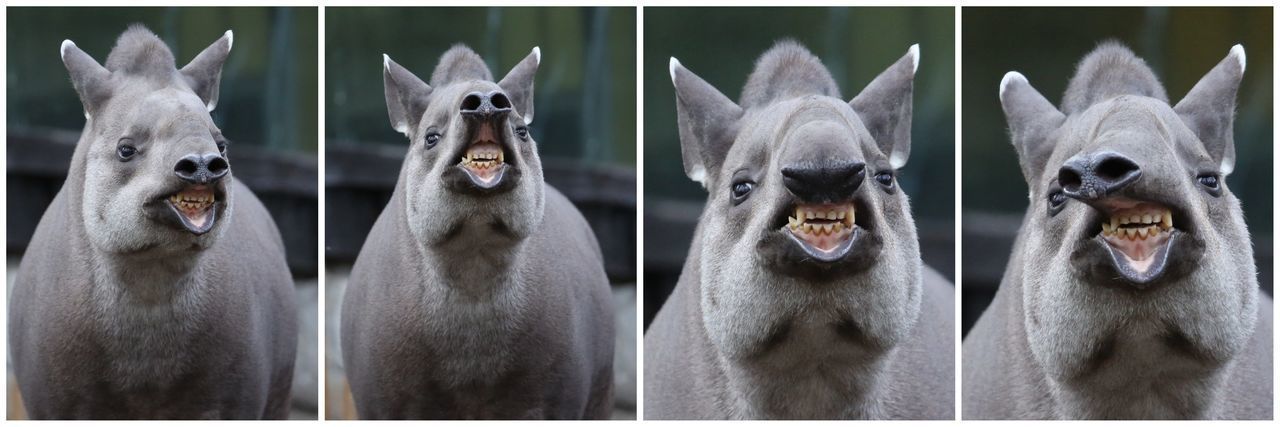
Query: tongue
[(1139, 252), (197, 219)]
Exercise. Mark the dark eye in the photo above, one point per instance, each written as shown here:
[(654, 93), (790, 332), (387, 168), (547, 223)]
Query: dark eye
[(222, 147), (1210, 183), (885, 179), (1057, 199), (523, 133), (431, 139), (741, 190), (126, 151)]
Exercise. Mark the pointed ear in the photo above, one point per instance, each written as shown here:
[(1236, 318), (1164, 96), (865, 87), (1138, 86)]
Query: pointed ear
[(205, 71), (1032, 119), (885, 107), (518, 84), (1209, 108), (708, 123), (89, 78), (406, 95)]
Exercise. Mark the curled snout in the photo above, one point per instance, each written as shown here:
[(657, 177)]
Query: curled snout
[(1090, 176), (485, 105), (201, 169)]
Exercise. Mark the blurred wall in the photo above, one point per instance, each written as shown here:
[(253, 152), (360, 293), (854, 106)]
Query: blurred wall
[(1044, 44), (266, 107), (585, 129), (721, 46)]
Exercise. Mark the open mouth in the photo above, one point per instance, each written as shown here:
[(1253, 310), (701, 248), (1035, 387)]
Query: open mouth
[(484, 159), (194, 207), (1138, 236), (825, 231)]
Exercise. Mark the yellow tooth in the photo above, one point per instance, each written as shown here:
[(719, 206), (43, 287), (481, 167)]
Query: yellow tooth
[(1106, 228), (1166, 222), (500, 158), (1130, 232), (1115, 222), (839, 226), (799, 213), (831, 214), (808, 215), (829, 227), (1146, 218), (1142, 232), (1153, 231), (840, 215)]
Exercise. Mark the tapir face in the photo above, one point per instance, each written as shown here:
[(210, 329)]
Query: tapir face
[(1135, 248), (155, 175), (805, 228), (472, 163)]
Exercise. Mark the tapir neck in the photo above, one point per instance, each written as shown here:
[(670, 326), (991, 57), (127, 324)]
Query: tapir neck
[(150, 281)]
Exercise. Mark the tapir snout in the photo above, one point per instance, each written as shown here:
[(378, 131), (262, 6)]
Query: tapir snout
[(821, 163), (1094, 175), (486, 106), (204, 168)]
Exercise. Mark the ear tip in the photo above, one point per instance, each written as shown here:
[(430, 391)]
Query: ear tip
[(672, 66), (1238, 52), (537, 55), (62, 51), (914, 51), (386, 62), (1009, 78), (231, 38)]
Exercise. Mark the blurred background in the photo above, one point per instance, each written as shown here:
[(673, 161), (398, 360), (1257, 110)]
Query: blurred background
[(1044, 44), (267, 108), (585, 128), (721, 46)]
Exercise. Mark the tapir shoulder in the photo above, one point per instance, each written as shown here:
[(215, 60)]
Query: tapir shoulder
[(1250, 386), (922, 373)]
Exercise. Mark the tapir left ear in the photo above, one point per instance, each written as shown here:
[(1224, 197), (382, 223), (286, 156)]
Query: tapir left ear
[(1209, 108), (885, 107), (518, 84), (205, 71)]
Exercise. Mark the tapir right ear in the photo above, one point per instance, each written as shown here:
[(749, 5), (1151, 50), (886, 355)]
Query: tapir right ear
[(90, 79), (406, 95), (204, 72), (1032, 119), (708, 123)]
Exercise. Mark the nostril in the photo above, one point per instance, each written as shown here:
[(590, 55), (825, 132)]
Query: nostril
[(472, 102), (1115, 168), (187, 167), (500, 101), (1069, 178), (218, 166)]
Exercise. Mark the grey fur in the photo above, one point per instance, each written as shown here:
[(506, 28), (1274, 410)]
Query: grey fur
[(738, 338), (462, 306), (1059, 341), (116, 315)]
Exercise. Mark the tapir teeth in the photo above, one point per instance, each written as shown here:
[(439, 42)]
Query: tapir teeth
[(1139, 223)]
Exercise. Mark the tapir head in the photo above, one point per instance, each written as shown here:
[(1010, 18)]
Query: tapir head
[(804, 222), (472, 162), (1133, 237), (155, 171)]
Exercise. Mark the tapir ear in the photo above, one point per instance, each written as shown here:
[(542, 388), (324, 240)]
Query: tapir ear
[(1032, 119), (406, 95), (708, 122), (518, 84), (885, 107), (1210, 108), (205, 71), (90, 79)]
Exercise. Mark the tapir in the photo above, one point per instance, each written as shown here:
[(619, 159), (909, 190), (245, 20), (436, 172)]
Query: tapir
[(1132, 291), (155, 285), (480, 292), (803, 295)]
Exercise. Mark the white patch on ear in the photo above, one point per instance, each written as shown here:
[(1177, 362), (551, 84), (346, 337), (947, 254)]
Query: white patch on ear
[(675, 63), (528, 120), (699, 175), (402, 127), (210, 106), (230, 39), (386, 62), (1226, 167), (63, 50), (1010, 77), (1238, 51), (914, 51), (896, 161), (537, 55)]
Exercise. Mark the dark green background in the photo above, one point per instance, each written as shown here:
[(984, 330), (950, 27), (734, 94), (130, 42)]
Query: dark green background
[(585, 87)]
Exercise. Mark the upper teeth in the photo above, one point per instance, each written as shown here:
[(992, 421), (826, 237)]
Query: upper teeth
[(834, 219), (482, 157), (1134, 224)]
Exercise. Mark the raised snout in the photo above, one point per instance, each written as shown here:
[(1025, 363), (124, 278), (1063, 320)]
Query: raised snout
[(824, 182), (204, 168), (490, 105), (1091, 176)]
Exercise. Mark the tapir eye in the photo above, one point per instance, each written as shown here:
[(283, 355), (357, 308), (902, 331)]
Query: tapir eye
[(431, 139), (523, 133), (741, 190), (1210, 183), (126, 150), (885, 179)]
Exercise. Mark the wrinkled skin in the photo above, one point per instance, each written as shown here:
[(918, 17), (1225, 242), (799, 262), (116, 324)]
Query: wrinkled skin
[(1080, 331), (479, 293), (125, 308), (768, 325)]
